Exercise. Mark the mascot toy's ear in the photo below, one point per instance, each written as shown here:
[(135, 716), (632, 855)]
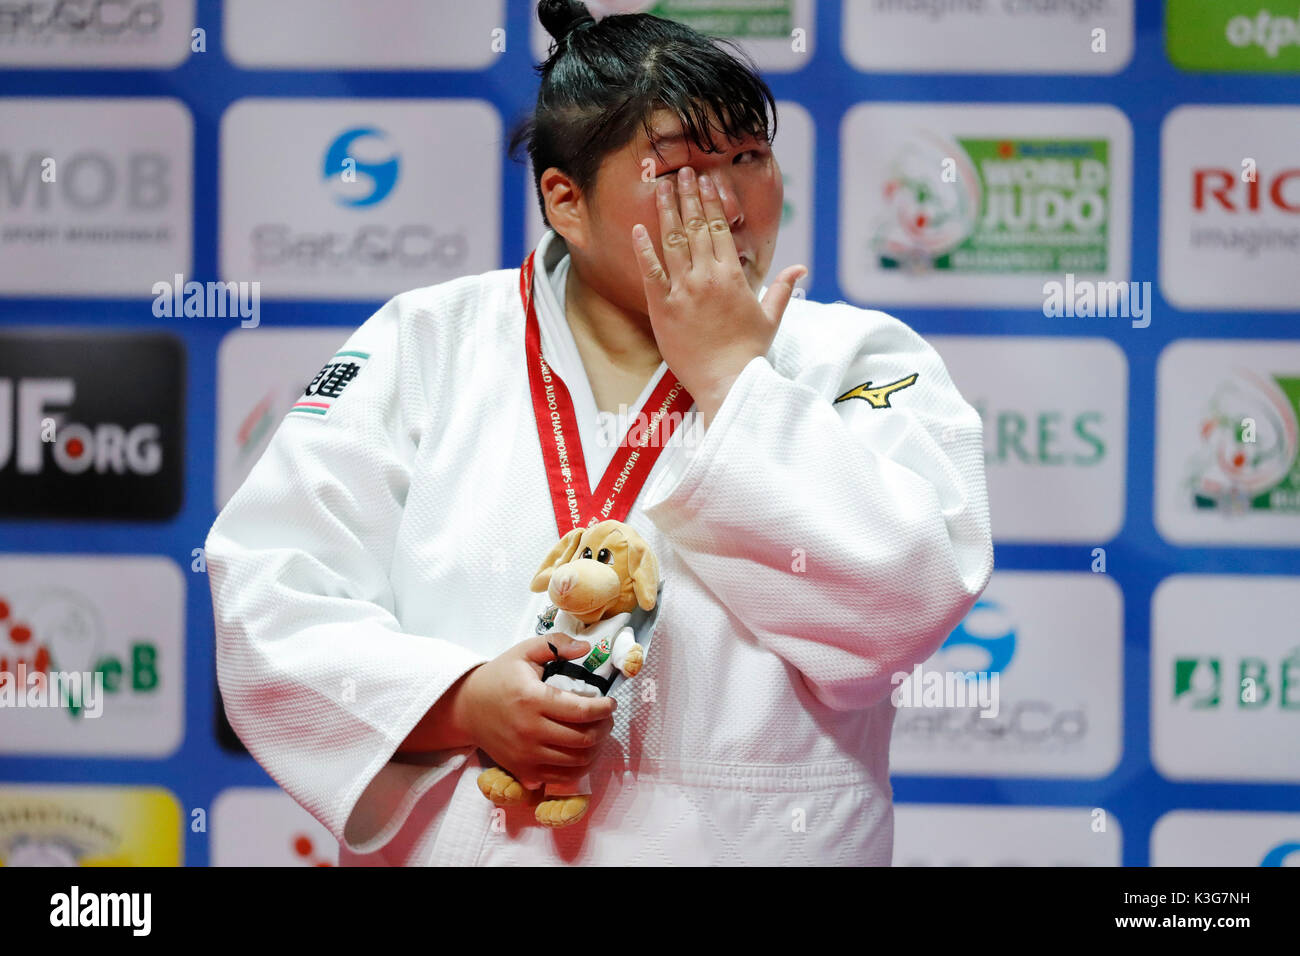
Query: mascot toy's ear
[(644, 571), (562, 553)]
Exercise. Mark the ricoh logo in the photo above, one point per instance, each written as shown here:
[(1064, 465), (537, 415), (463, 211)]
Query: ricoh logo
[(1246, 190), (1228, 210), (74, 447), (83, 19)]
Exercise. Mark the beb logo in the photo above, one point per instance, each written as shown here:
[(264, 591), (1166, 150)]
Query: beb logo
[(1198, 683), (354, 181), (75, 440), (1226, 677), (981, 205), (1249, 453)]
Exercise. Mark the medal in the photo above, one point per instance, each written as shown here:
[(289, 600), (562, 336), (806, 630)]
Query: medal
[(557, 429)]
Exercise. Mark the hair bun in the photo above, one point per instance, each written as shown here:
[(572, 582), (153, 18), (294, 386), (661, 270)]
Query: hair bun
[(562, 17)]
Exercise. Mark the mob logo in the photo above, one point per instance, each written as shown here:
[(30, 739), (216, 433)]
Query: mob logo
[(90, 425), (86, 181)]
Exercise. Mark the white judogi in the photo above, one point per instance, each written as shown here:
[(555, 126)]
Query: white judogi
[(811, 549)]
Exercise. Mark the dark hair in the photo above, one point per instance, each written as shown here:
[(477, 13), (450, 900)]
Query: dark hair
[(603, 79)]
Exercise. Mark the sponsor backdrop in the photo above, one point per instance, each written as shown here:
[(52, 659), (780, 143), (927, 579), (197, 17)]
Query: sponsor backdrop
[(1090, 207)]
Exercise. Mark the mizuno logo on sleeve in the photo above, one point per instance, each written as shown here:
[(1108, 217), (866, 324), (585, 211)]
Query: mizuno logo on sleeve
[(878, 396)]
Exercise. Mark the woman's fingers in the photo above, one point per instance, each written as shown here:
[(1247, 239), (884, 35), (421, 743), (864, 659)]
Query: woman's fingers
[(557, 757), (656, 281), (779, 292), (724, 244), (575, 736), (693, 220), (672, 235)]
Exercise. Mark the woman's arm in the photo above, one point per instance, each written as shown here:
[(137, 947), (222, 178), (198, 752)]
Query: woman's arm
[(445, 726), (850, 534), (319, 679)]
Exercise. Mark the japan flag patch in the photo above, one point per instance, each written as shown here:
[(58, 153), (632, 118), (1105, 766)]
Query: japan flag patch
[(328, 385)]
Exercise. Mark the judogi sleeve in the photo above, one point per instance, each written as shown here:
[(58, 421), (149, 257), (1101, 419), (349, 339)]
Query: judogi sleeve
[(319, 680), (841, 516)]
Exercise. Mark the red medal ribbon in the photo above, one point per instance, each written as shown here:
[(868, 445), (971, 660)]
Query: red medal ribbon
[(557, 429)]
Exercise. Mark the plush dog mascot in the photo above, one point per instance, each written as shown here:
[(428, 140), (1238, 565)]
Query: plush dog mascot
[(595, 577)]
